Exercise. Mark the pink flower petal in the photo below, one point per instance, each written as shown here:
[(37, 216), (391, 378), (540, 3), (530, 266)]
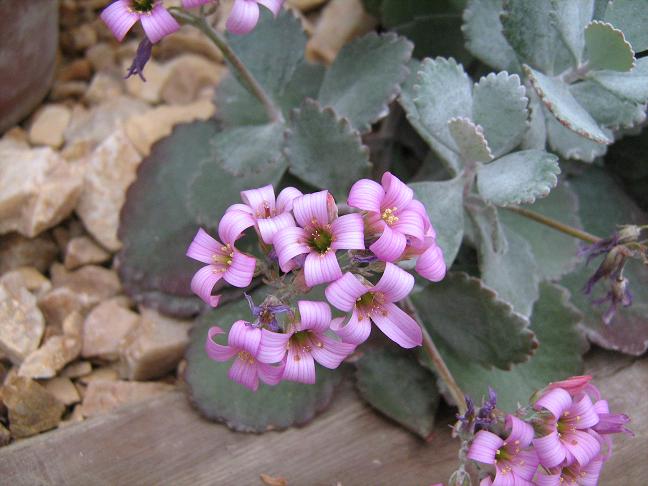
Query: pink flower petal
[(582, 414), (244, 373), (269, 227), (233, 224), (269, 374), (395, 283), (159, 23), (300, 366), (195, 3), (286, 198), (311, 208), (487, 481), (390, 246), (119, 18), (243, 17), (241, 271), (260, 199), (397, 194), (503, 478), (601, 406), (273, 346), (354, 331), (216, 351), (240, 207), (573, 384), (550, 450), (203, 247), (556, 401), (314, 316), (410, 223), (273, 5), (366, 195), (321, 268), (244, 337), (288, 243), (348, 232), (548, 480), (590, 473), (525, 465), (418, 207), (204, 281), (431, 264), (582, 446), (329, 352), (484, 447), (398, 326), (520, 433), (343, 293)]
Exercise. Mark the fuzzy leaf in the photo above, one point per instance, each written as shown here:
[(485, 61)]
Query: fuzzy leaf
[(554, 252), (570, 17), (444, 203), (559, 355), (605, 107), (470, 140), (468, 319), (518, 178), (324, 150), (603, 205), (632, 86), (569, 144), (365, 77), (536, 135), (269, 408), (392, 381), (631, 16), (500, 107), (560, 102), (484, 38), (607, 48)]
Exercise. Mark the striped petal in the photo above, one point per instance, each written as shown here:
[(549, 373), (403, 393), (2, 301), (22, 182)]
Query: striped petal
[(203, 283), (395, 283), (244, 337), (244, 373), (241, 271), (314, 316), (550, 450), (286, 198), (273, 346), (241, 207), (329, 352), (582, 414), (343, 293), (311, 208), (484, 447), (300, 366), (271, 375), (431, 264), (243, 17), (398, 326), (159, 23), (581, 445), (589, 474), (366, 195), (269, 227), (390, 246), (273, 5), (204, 247), (233, 224), (504, 478), (352, 330), (397, 194), (520, 433), (260, 199), (525, 465), (119, 18), (556, 401), (348, 232), (216, 351), (288, 243), (549, 480), (321, 268), (418, 207), (410, 223)]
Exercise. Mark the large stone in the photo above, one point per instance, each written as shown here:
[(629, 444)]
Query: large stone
[(104, 328), (21, 322), (154, 348), (189, 74), (17, 251), (156, 75), (38, 189), (59, 303), (63, 390), (104, 396), (50, 358), (110, 170), (83, 251), (49, 125), (32, 409), (147, 128), (92, 284)]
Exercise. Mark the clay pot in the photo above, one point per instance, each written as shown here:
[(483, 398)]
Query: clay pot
[(28, 44)]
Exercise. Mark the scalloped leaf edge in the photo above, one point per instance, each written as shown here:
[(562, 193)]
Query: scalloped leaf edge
[(619, 35)]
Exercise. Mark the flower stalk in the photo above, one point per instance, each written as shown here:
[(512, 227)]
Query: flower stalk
[(557, 225)]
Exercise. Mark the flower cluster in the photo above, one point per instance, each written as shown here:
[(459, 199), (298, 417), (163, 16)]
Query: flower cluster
[(304, 242), (562, 438)]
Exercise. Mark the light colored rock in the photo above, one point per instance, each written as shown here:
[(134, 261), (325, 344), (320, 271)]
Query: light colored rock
[(83, 251), (84, 36), (150, 91), (17, 251), (100, 374), (189, 74), (75, 417), (21, 322), (16, 138), (38, 189), (73, 325), (154, 348), (64, 233), (111, 169), (51, 357), (30, 278), (104, 87), (64, 90), (32, 409), (63, 390), (147, 128), (77, 70), (101, 56), (5, 436), (104, 396), (341, 21), (91, 283), (49, 125), (59, 303), (78, 369), (188, 40), (104, 328)]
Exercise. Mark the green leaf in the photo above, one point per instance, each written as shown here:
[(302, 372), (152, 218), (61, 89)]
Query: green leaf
[(467, 318), (607, 48), (392, 381), (536, 135), (560, 102), (444, 203), (570, 17), (559, 355), (305, 83), (470, 140), (324, 150), (500, 107), (603, 205), (632, 86), (631, 16), (554, 252), (517, 178), (269, 408), (605, 107), (484, 38), (569, 144), (365, 77)]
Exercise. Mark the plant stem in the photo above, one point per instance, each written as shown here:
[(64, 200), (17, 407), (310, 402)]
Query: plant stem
[(240, 70), (437, 361), (557, 225)]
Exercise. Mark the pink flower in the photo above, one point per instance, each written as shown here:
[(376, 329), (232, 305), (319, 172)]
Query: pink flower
[(271, 214), (245, 14), (515, 461), (243, 341), (390, 215), (157, 22), (374, 303), (573, 475), (573, 384), (610, 423), (319, 235), (304, 343), (223, 260), (195, 3), (569, 438)]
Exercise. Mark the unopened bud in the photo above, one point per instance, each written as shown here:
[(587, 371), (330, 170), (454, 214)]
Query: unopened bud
[(629, 234), (460, 478)]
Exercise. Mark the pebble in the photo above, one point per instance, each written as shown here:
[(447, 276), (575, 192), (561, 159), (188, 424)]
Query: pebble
[(5, 436), (49, 124), (77, 370), (93, 284), (105, 396), (63, 390), (82, 251), (188, 75), (104, 87), (156, 75), (101, 56), (51, 357), (104, 328), (30, 278), (59, 303), (16, 251), (100, 374)]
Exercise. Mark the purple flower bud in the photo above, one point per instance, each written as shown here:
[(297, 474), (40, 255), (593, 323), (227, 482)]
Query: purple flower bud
[(141, 58)]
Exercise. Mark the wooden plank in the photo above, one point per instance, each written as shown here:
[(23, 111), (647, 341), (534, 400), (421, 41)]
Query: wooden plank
[(166, 442)]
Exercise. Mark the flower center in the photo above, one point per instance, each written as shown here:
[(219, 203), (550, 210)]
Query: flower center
[(245, 356), (224, 259), (142, 6), (264, 211), (304, 342), (389, 216), (369, 303), (320, 239)]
